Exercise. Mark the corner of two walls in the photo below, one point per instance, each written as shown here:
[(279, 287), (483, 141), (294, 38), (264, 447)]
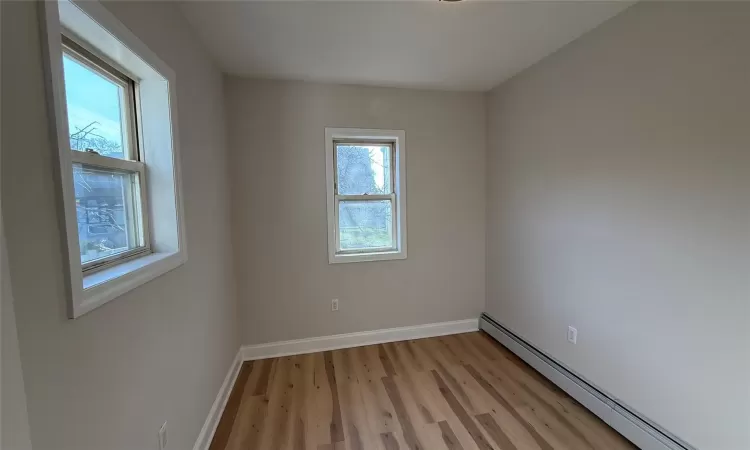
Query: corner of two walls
[(618, 203)]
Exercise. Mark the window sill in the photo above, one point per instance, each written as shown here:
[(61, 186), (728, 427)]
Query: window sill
[(338, 258), (106, 285)]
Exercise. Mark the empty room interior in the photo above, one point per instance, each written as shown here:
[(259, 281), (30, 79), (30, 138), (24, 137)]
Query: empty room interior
[(372, 224)]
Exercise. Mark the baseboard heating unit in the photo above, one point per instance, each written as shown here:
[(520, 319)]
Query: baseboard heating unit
[(638, 430)]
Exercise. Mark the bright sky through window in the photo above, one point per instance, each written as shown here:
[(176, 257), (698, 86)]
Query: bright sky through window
[(92, 99)]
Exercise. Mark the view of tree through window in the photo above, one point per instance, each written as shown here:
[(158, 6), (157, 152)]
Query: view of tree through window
[(94, 110), (364, 170), (105, 199)]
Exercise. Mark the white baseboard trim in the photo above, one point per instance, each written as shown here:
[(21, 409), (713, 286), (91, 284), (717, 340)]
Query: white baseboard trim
[(318, 344), (217, 409), (638, 430)]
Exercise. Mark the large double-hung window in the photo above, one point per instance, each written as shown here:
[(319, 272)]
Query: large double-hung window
[(109, 179)]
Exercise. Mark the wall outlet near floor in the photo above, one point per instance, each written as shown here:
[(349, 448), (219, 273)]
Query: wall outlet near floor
[(572, 335), (163, 437), (335, 304)]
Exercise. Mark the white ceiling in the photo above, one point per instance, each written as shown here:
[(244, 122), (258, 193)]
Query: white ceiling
[(456, 46)]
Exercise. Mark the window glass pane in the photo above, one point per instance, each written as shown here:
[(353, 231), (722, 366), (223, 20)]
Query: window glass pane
[(95, 110), (107, 205), (365, 225), (363, 169)]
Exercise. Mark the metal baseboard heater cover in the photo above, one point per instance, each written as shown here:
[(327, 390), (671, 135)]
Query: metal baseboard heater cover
[(637, 429)]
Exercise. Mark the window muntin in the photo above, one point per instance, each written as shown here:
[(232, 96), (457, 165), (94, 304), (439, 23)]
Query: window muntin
[(109, 180), (365, 200)]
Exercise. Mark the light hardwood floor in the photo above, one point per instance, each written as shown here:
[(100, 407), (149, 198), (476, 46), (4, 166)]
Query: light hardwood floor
[(464, 391)]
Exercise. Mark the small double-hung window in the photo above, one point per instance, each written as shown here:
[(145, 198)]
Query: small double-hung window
[(108, 176), (366, 195)]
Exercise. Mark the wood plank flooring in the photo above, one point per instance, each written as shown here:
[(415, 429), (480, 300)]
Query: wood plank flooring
[(459, 392)]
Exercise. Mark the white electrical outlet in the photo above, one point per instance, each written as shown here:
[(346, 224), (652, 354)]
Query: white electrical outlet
[(163, 437), (572, 335), (335, 304)]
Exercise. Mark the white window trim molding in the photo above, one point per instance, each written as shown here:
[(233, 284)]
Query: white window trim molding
[(399, 188), (99, 28)]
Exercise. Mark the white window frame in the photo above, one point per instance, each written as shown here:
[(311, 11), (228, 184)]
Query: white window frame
[(396, 140), (131, 164), (95, 29)]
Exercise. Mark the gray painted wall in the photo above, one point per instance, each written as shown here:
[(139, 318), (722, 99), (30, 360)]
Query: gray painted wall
[(109, 379), (619, 173), (285, 284), (14, 418)]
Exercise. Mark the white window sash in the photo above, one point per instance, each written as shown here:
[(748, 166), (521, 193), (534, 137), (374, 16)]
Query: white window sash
[(90, 159), (363, 142), (367, 198), (80, 52)]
